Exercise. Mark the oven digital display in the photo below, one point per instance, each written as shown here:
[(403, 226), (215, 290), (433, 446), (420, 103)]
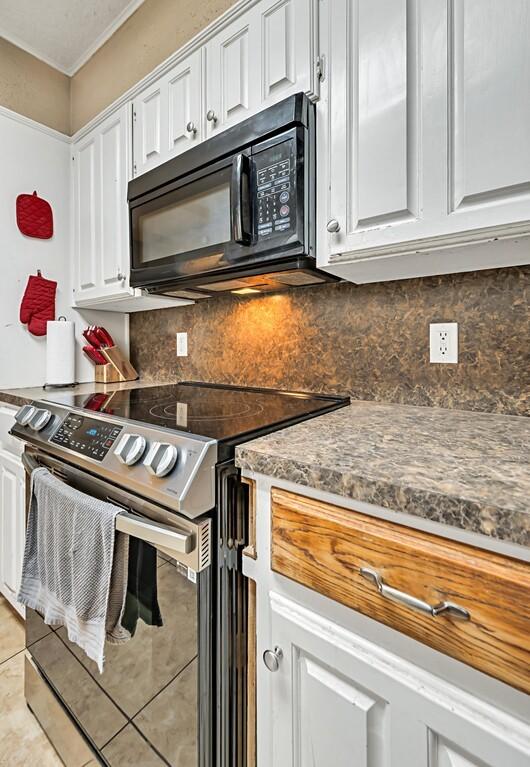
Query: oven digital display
[(86, 436)]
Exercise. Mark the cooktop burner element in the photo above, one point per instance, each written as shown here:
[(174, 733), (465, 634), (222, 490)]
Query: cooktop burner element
[(223, 413)]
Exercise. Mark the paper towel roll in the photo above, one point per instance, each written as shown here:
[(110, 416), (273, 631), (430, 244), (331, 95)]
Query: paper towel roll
[(60, 352)]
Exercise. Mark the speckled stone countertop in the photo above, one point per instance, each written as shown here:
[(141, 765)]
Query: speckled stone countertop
[(466, 469), (22, 396)]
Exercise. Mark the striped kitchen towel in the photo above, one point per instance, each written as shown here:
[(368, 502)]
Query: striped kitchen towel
[(75, 568)]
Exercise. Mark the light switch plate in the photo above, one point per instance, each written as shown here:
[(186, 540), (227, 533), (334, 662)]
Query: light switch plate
[(444, 342)]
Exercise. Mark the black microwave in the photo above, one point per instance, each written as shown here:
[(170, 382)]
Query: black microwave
[(235, 213)]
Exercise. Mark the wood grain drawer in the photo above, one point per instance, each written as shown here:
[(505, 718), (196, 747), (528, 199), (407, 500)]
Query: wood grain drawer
[(324, 546)]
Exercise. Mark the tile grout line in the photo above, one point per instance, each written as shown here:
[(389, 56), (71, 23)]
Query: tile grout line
[(12, 656)]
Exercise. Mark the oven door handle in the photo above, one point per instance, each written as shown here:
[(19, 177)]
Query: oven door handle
[(240, 199), (163, 536)]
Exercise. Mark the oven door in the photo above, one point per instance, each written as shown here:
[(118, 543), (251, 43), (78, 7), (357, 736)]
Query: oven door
[(153, 704)]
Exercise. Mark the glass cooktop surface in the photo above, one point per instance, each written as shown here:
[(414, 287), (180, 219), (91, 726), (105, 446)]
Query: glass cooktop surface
[(224, 413)]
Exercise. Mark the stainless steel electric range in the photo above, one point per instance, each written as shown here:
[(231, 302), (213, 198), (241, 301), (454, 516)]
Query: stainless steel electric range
[(176, 694)]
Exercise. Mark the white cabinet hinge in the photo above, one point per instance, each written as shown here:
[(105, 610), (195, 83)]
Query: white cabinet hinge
[(134, 169), (134, 115), (321, 67)]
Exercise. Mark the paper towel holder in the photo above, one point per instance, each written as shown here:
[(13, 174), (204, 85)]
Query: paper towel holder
[(65, 385)]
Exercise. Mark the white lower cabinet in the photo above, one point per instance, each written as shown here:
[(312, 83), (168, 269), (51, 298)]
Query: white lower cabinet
[(337, 699), (12, 525)]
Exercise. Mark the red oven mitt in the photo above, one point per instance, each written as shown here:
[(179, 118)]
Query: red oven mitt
[(38, 304)]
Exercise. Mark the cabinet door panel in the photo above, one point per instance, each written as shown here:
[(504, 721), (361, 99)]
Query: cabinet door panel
[(286, 48), (490, 116), (374, 104), (232, 73), (150, 129), (12, 525), (113, 208), (183, 90), (86, 207), (339, 699), (335, 717)]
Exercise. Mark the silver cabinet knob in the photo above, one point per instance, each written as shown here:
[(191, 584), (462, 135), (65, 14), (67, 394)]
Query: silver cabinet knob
[(24, 415), (191, 128), (130, 449), (333, 225), (120, 276), (272, 658), (161, 458), (211, 116), (40, 419)]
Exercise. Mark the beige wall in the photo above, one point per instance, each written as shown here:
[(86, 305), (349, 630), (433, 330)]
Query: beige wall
[(154, 32), (34, 89)]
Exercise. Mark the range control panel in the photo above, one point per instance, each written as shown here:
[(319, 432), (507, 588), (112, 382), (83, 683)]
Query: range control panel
[(86, 436), (276, 190)]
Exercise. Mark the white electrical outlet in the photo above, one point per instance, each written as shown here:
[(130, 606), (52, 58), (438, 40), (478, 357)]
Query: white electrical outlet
[(444, 342), (182, 344)]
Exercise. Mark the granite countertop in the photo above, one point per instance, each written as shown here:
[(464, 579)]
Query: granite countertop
[(22, 396), (466, 469)]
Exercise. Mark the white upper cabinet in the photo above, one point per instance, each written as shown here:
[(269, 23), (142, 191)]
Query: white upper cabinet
[(167, 117), (424, 136), (262, 57), (101, 242), (258, 58), (232, 73)]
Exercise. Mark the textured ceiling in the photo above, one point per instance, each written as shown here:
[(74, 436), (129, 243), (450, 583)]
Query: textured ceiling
[(64, 33)]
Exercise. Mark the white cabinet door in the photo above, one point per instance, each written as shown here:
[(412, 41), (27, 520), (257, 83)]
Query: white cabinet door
[(86, 181), (382, 144), (260, 58), (167, 115), (148, 123), (101, 238), (112, 209), (489, 112), (233, 73), (12, 525), (338, 699), (423, 136)]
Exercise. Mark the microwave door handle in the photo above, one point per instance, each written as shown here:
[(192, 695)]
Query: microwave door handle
[(240, 199)]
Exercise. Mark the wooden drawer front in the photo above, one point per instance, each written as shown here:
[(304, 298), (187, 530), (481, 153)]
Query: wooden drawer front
[(323, 547)]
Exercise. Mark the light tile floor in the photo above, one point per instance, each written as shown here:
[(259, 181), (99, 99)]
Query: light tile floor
[(22, 742)]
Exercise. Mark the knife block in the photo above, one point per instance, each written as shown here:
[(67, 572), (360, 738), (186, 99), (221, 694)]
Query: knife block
[(117, 369)]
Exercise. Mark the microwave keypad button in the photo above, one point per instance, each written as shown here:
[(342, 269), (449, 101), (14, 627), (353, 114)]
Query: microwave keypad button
[(284, 197), (284, 210)]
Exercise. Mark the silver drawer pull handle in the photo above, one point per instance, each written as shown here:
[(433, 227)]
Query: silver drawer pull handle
[(407, 599)]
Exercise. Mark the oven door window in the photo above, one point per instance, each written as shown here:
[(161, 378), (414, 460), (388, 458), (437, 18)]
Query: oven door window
[(145, 707), (195, 217)]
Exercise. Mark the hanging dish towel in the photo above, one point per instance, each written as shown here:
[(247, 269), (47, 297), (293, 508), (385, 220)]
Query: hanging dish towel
[(141, 602), (38, 304), (70, 573)]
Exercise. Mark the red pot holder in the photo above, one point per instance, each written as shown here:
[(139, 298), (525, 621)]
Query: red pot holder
[(34, 216)]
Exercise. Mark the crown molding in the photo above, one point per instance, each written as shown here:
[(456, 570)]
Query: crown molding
[(14, 40), (29, 123)]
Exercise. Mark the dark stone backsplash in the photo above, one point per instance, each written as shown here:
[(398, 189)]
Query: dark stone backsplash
[(370, 341)]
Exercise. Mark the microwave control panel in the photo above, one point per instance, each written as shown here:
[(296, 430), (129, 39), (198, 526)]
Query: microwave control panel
[(275, 208), (86, 436)]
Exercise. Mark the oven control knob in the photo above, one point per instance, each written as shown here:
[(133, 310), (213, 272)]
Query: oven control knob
[(24, 415), (130, 449), (40, 419), (161, 458)]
